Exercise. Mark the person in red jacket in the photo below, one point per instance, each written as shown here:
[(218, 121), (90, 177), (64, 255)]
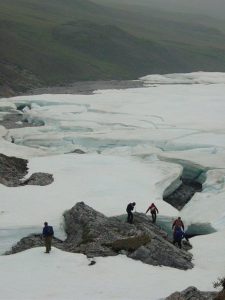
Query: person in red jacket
[(178, 228), (178, 223), (153, 210)]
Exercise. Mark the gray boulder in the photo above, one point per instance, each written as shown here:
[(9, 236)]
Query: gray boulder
[(161, 252), (39, 178), (78, 151), (220, 295), (94, 234), (192, 293), (13, 170), (32, 241)]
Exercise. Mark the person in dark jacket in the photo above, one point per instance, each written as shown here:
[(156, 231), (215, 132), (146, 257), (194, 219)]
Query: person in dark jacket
[(153, 210), (47, 234), (129, 209)]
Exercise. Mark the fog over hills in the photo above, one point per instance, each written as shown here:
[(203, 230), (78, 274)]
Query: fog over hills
[(46, 43), (214, 8)]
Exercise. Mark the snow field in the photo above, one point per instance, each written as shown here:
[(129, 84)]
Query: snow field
[(130, 129)]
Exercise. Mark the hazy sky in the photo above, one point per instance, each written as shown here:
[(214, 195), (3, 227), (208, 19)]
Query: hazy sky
[(213, 8)]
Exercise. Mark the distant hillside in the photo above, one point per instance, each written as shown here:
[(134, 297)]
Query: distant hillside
[(209, 8), (54, 42)]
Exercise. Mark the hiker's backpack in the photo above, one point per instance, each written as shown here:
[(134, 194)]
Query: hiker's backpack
[(50, 231)]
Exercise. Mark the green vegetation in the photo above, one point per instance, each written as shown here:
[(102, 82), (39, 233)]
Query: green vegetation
[(52, 42)]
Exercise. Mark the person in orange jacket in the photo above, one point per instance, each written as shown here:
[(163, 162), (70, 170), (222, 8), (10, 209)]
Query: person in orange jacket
[(153, 210)]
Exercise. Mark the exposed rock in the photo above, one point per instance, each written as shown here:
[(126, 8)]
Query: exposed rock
[(16, 119), (12, 170), (32, 241), (92, 263), (220, 296), (186, 245), (220, 283), (191, 293), (39, 179), (158, 252), (78, 151), (91, 233)]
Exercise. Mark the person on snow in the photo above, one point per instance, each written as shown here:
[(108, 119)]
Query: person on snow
[(153, 210), (47, 234), (129, 209)]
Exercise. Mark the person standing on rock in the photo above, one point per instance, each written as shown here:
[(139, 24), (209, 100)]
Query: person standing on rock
[(178, 231), (178, 236), (129, 209), (47, 234), (153, 210)]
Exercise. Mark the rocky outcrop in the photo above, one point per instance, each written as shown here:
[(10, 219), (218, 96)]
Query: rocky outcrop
[(220, 296), (78, 151), (13, 170), (192, 293), (15, 119), (32, 241), (39, 179), (91, 233)]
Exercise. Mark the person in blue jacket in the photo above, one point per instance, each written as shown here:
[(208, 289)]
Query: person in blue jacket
[(178, 236), (47, 234)]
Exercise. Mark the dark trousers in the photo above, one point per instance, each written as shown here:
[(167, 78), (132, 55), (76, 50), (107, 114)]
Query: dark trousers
[(48, 243), (186, 237), (130, 217), (178, 242), (153, 216)]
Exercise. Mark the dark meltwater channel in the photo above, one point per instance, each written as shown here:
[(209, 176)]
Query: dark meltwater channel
[(165, 223), (180, 192), (183, 193)]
